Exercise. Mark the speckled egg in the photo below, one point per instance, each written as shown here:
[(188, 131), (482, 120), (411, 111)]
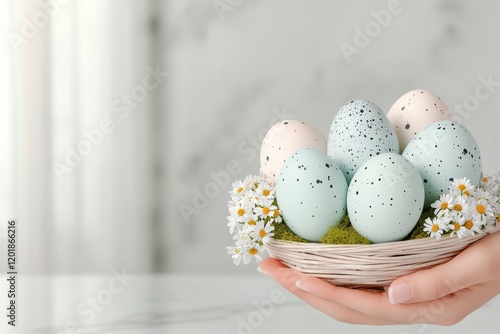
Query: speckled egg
[(359, 132), (284, 139), (311, 194), (414, 111), (385, 198), (441, 152)]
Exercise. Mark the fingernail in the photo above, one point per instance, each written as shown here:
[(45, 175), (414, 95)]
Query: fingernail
[(400, 293), (264, 272), (299, 285)]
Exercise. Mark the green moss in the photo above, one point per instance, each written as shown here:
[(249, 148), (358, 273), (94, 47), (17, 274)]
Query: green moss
[(345, 234), (283, 232)]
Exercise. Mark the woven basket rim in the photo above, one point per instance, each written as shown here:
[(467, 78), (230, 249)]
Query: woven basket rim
[(368, 266), (414, 242)]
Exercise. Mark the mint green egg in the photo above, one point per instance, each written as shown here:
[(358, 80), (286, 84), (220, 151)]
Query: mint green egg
[(311, 192)]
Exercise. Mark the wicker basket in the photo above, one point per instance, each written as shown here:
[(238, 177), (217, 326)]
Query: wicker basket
[(368, 266)]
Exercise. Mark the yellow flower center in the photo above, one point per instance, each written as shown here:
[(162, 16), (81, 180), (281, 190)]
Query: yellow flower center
[(277, 213), (456, 226), (458, 207), (462, 187), (480, 209), (266, 192), (467, 193), (435, 228), (485, 179), (241, 212), (240, 189), (251, 222), (266, 210), (468, 224), (236, 251), (253, 251), (262, 233), (444, 205)]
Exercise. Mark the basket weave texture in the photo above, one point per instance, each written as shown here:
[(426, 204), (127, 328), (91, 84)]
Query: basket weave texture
[(368, 266)]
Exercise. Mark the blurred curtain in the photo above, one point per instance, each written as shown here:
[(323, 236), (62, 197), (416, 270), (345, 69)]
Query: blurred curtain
[(77, 97)]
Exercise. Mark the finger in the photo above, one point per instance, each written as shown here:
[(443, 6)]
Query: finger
[(269, 264), (346, 305), (288, 278), (371, 303), (475, 265)]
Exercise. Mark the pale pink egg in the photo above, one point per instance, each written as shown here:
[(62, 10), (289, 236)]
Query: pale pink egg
[(413, 112), (284, 139)]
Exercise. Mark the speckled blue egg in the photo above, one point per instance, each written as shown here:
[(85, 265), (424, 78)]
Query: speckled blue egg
[(441, 152), (360, 131), (385, 198), (311, 194)]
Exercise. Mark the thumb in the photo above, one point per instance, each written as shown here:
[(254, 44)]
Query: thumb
[(476, 264)]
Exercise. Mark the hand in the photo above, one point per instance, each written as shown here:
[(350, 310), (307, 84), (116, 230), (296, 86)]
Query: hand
[(442, 295)]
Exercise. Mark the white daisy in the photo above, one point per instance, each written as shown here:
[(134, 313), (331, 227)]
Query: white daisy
[(265, 208), (232, 223), (238, 189), (252, 181), (473, 226), (252, 220), (435, 227), (483, 194), (241, 212), (236, 254), (277, 216), (253, 252), (457, 226), (461, 185), (444, 203), (481, 209), (460, 205), (263, 232), (489, 184), (265, 191), (242, 236)]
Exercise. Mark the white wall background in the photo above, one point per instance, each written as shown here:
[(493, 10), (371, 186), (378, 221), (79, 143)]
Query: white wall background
[(228, 75)]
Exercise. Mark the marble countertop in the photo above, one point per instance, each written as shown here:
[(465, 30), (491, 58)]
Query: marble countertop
[(166, 303)]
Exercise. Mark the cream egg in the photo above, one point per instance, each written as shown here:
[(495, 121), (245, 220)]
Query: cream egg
[(413, 112), (282, 140)]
